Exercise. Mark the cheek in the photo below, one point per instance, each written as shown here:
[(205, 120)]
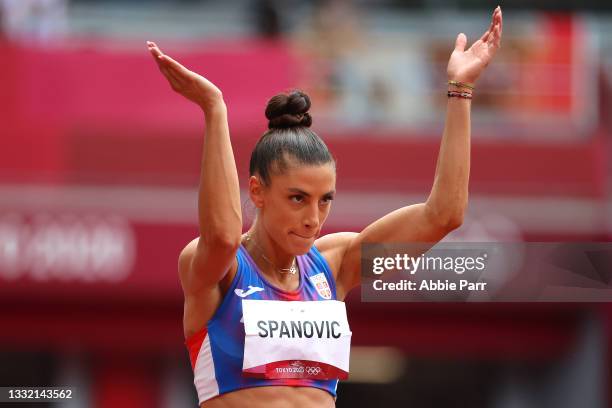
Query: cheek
[(325, 213), (274, 205), (280, 215)]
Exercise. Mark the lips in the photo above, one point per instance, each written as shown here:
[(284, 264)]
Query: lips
[(302, 236)]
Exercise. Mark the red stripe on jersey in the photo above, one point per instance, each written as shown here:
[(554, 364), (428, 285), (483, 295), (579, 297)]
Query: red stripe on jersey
[(194, 343)]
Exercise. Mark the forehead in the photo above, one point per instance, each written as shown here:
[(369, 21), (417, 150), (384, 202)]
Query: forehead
[(311, 179)]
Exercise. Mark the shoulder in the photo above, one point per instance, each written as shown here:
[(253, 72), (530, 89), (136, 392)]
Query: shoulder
[(202, 295), (185, 260), (186, 267), (186, 255), (333, 248)]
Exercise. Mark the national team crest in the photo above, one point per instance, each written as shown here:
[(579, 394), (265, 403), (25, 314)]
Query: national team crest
[(320, 283)]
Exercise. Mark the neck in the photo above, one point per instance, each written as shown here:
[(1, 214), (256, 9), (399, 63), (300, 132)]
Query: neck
[(270, 258)]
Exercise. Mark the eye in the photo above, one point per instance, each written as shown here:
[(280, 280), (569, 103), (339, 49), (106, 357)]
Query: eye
[(327, 200), (296, 198)]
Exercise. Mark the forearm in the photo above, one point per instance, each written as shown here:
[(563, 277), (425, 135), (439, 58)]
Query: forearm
[(448, 198), (220, 216)]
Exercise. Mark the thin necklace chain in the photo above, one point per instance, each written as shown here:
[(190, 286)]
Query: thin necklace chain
[(292, 270)]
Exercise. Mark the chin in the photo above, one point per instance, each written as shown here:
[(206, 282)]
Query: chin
[(299, 245), (303, 251)]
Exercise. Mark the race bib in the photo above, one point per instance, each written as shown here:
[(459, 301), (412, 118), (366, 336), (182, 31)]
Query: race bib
[(296, 339)]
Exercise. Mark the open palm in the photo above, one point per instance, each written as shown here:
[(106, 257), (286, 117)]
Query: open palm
[(466, 66), (191, 85)]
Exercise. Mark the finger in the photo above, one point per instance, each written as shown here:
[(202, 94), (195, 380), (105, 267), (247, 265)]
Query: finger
[(151, 44), (171, 68), (156, 54), (166, 70), (494, 37), (493, 43), (498, 36), (171, 76), (175, 83), (166, 59), (497, 17), (177, 67), (175, 80), (485, 36), (154, 48), (460, 42), (493, 16), (490, 29), (501, 23)]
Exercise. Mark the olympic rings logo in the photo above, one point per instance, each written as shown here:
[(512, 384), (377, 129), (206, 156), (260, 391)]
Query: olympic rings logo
[(313, 370)]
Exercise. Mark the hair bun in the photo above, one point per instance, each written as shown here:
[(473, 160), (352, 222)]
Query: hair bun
[(288, 110)]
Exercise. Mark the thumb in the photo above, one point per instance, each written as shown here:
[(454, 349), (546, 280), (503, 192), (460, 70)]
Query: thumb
[(460, 42)]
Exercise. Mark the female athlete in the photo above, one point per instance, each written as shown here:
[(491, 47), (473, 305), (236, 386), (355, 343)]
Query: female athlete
[(241, 289)]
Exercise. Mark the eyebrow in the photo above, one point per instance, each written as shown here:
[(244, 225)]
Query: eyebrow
[(297, 190)]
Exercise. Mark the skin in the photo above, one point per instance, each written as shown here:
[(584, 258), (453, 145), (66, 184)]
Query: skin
[(292, 209)]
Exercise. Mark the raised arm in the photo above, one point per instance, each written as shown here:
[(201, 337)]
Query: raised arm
[(443, 211), (207, 259), (448, 198)]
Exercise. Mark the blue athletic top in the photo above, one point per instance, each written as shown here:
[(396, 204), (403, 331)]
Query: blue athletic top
[(217, 351)]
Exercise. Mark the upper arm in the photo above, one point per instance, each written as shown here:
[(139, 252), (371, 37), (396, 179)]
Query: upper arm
[(414, 223), (204, 265), (333, 248), (202, 268)]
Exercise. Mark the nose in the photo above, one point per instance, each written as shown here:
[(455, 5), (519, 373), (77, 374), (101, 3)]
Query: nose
[(311, 218)]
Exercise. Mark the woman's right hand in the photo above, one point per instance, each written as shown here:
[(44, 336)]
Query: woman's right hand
[(192, 86)]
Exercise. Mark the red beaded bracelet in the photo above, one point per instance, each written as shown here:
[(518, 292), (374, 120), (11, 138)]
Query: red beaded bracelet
[(465, 95)]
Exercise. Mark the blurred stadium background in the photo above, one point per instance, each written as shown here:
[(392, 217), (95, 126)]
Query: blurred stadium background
[(99, 165)]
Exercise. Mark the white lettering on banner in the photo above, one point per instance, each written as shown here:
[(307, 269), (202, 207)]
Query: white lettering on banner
[(291, 370), (296, 367), (65, 247), (315, 331)]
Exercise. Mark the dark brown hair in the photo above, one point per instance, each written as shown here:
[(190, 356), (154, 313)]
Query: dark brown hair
[(289, 137)]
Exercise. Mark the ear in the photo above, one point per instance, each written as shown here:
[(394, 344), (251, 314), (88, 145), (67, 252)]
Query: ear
[(256, 191)]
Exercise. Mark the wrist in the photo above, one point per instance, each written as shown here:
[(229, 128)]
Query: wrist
[(459, 94), (465, 80), (458, 99), (454, 84), (460, 90), (213, 106)]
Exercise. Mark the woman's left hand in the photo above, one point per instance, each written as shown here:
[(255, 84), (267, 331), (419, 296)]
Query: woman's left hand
[(466, 66)]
